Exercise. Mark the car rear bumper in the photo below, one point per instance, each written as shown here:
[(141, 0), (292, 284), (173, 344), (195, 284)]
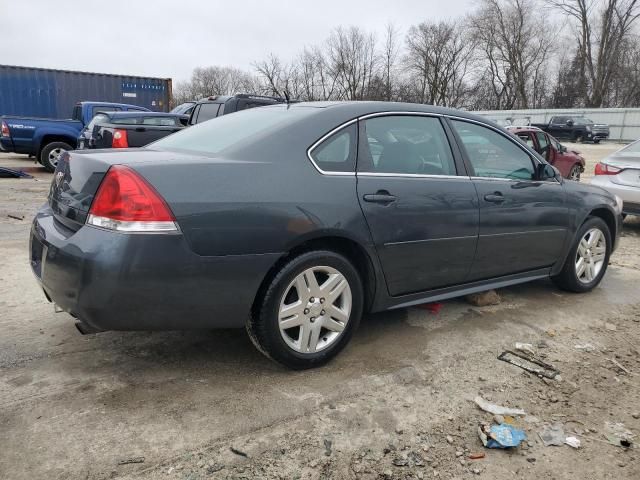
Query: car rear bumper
[(115, 281), (630, 195)]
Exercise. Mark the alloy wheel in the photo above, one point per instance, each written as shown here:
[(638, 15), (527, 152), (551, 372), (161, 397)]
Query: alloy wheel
[(574, 174), (54, 155), (315, 309), (591, 255)]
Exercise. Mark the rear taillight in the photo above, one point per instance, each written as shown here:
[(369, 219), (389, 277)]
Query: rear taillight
[(120, 139), (604, 169), (4, 130), (126, 202)]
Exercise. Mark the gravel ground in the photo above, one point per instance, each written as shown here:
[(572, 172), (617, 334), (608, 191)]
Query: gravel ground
[(396, 404)]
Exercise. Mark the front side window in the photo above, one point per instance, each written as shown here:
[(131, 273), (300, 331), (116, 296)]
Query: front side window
[(208, 111), (405, 144), (337, 153), (493, 155)]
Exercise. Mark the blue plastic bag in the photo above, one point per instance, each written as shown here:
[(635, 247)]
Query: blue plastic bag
[(501, 436)]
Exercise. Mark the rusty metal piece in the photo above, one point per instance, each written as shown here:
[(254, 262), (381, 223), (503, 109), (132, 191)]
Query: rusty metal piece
[(535, 366)]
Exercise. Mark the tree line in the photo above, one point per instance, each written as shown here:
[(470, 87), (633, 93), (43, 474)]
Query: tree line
[(505, 54)]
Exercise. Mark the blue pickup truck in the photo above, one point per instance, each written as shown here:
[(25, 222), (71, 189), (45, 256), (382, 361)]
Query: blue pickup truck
[(47, 138)]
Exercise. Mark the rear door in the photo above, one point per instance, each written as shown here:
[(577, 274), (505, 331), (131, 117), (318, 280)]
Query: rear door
[(423, 214), (523, 221)]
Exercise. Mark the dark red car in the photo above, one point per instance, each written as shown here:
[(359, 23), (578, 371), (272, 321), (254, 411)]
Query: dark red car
[(569, 162)]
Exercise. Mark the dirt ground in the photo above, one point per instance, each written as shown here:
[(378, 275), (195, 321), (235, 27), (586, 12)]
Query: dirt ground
[(396, 404)]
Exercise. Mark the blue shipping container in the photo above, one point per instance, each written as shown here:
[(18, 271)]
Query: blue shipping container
[(40, 92)]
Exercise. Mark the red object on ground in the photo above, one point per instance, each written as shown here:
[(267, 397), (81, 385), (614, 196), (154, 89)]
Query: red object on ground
[(432, 307)]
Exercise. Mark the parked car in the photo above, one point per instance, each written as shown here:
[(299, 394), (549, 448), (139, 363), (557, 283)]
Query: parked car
[(575, 128), (214, 106), (46, 138), (619, 173), (570, 163), (293, 220), (184, 108), (128, 129)]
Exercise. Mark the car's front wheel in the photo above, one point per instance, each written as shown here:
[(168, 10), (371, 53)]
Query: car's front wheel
[(588, 258), (309, 310), (574, 173)]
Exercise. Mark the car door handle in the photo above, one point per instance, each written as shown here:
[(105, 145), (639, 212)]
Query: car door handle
[(495, 197), (381, 196)]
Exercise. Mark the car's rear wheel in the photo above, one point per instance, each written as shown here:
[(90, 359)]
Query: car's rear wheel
[(574, 173), (50, 153), (309, 310), (596, 140), (588, 258)]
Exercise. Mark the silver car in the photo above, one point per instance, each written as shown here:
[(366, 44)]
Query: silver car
[(619, 173)]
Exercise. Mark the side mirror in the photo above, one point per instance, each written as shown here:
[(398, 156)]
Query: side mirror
[(569, 123), (544, 171)]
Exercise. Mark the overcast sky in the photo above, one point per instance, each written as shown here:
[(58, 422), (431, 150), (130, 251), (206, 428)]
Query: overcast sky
[(163, 38)]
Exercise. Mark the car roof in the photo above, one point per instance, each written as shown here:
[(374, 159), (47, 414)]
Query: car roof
[(525, 129), (359, 108)]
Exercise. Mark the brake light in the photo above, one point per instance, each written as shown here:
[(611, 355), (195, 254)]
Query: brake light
[(127, 202), (604, 169), (120, 139), (4, 130)]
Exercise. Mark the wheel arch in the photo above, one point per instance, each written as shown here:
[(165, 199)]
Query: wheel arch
[(607, 216), (54, 137), (353, 250)]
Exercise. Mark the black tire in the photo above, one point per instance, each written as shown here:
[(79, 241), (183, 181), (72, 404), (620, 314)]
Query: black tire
[(45, 154), (567, 279), (577, 138), (574, 173), (596, 140), (263, 327)]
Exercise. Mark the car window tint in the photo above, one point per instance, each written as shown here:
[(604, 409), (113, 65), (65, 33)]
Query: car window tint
[(542, 140), (405, 144), (235, 130), (208, 111), (160, 121), (496, 156), (133, 120), (337, 153)]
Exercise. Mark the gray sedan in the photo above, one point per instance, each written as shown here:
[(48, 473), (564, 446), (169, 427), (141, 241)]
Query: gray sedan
[(294, 220)]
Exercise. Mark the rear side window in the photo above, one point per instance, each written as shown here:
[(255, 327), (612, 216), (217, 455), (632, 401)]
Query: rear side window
[(160, 121), (207, 112), (337, 153), (526, 138), (405, 144), (493, 155)]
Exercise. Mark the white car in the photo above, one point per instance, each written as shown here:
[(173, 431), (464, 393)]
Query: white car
[(619, 173)]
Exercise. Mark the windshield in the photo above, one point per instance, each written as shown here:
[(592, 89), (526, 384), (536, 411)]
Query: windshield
[(183, 107), (582, 121), (230, 130)]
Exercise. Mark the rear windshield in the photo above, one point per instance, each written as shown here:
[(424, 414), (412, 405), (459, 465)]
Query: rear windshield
[(100, 117), (230, 130), (632, 149)]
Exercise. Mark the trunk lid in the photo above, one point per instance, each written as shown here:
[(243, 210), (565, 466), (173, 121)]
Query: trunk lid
[(630, 174)]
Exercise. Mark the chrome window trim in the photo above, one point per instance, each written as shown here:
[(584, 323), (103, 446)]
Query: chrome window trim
[(413, 175), (405, 112), (322, 139), (515, 180)]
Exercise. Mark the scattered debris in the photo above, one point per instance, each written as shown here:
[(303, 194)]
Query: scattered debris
[(587, 347), (620, 367), (635, 415), (127, 461), (525, 347), (434, 307), (610, 326), (496, 409), (16, 217), (542, 344), (551, 332), (449, 439), (529, 364), (476, 456), (327, 447), (484, 299), (552, 435), (572, 442), (239, 452), (214, 467), (500, 436), (618, 435), (10, 173)]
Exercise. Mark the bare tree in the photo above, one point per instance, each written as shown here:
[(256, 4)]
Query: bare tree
[(439, 56), (516, 46), (390, 53), (601, 29)]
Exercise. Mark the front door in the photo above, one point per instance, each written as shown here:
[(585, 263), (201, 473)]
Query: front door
[(523, 221), (423, 216)]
